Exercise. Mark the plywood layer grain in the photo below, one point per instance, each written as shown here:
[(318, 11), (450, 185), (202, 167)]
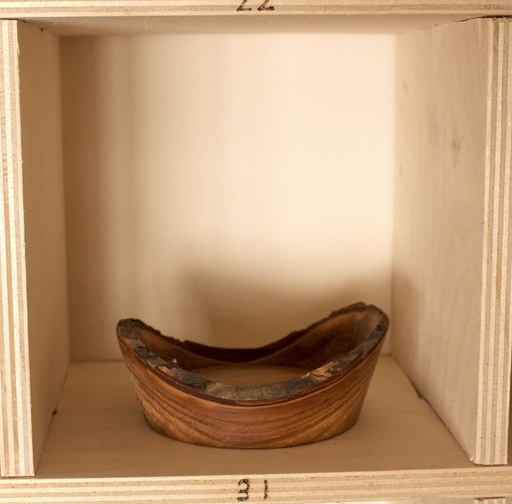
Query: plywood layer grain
[(33, 297), (496, 302), (79, 17), (15, 418), (438, 487), (452, 263), (87, 8)]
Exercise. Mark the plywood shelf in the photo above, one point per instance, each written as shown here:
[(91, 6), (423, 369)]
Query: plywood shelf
[(99, 446), (74, 17), (321, 488), (79, 8), (98, 431)]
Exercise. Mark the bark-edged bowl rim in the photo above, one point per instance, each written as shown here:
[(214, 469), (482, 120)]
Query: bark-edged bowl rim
[(130, 333)]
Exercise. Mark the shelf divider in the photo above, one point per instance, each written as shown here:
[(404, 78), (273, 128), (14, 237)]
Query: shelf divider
[(452, 261)]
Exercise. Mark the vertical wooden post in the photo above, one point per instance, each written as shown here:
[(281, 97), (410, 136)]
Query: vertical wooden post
[(453, 271), (496, 302), (16, 457)]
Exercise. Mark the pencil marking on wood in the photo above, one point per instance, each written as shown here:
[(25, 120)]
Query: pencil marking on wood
[(263, 7), (244, 491), (242, 7)]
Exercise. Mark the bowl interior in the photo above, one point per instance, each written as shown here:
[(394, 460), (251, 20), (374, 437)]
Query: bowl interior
[(299, 352)]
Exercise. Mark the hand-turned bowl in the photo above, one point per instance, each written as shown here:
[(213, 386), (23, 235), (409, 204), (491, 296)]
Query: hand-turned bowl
[(205, 395)]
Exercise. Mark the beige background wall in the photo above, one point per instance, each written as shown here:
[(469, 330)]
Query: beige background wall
[(214, 182)]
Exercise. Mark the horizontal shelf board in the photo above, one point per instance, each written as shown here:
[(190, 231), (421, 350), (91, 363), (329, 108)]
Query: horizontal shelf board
[(465, 483), (99, 431), (233, 22), (79, 8), (78, 17)]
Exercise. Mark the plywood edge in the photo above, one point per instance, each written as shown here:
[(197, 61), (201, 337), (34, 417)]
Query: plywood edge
[(321, 487), (16, 435), (495, 500), (496, 303), (113, 8)]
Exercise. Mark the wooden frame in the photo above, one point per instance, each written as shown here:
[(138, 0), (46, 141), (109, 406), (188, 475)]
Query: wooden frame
[(29, 395)]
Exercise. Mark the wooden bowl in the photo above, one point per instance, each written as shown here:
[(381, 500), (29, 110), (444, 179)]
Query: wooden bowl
[(303, 388)]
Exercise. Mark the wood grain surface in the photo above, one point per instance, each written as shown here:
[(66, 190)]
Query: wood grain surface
[(15, 401), (338, 352), (452, 261)]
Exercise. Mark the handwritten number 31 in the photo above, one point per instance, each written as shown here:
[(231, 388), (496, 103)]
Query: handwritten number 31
[(244, 487), (263, 7)]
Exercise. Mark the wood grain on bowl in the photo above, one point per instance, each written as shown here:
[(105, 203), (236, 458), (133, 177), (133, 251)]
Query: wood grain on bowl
[(305, 387)]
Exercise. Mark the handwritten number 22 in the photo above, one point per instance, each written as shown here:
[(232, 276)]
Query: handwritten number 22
[(264, 6)]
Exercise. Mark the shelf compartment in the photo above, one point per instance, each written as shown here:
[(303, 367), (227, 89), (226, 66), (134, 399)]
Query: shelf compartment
[(39, 321)]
